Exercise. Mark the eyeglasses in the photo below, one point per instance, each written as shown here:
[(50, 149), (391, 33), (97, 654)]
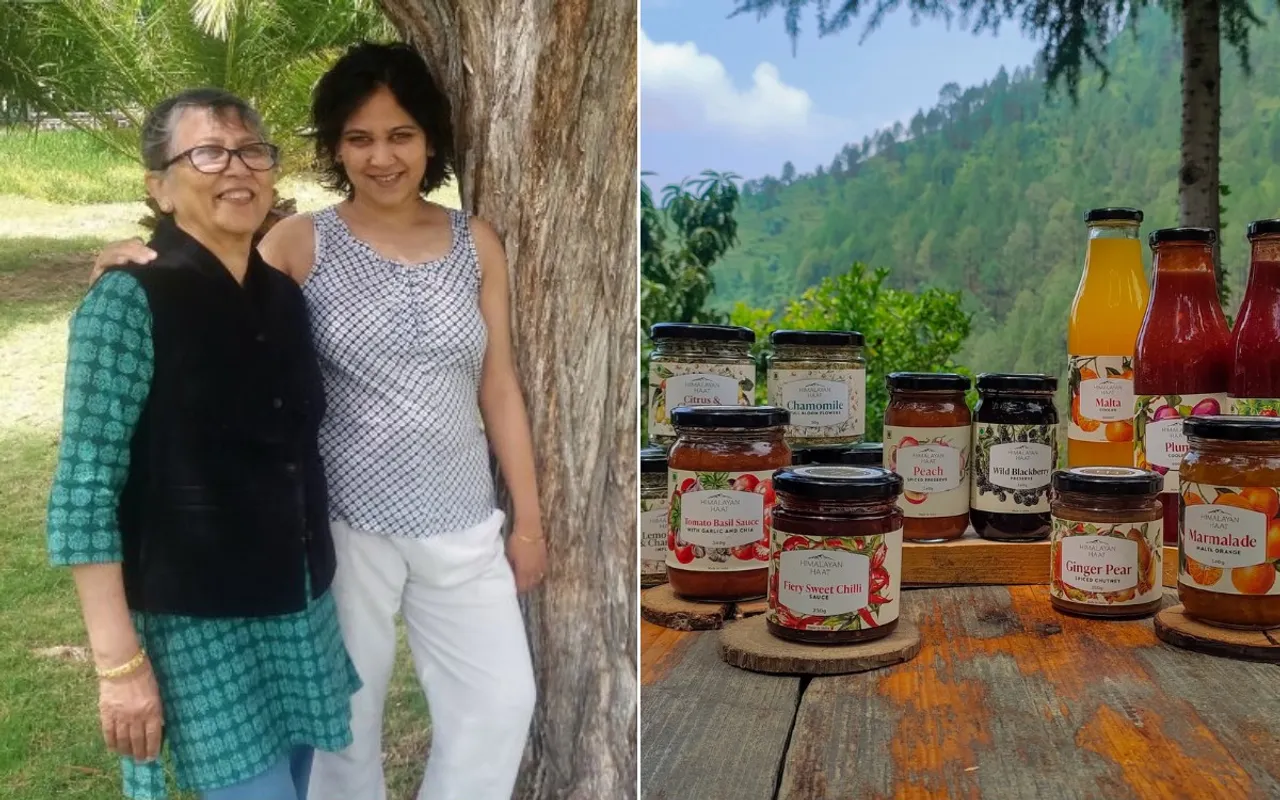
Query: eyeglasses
[(212, 159)]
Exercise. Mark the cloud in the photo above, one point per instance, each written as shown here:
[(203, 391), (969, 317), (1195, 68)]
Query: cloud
[(682, 88)]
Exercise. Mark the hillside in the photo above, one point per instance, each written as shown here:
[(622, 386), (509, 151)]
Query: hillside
[(986, 192)]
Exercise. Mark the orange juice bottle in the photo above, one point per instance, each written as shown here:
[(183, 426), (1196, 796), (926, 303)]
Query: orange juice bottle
[(1101, 335)]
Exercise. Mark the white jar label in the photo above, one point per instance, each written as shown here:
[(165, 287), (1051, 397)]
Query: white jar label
[(1106, 564), (675, 384), (1101, 390), (653, 537), (1230, 539), (1012, 466), (823, 403), (720, 520), (934, 466), (1159, 443), (834, 583)]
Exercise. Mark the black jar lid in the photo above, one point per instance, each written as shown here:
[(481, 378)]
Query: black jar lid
[(1115, 481), (866, 454), (729, 416), (928, 381), (1262, 227), (818, 338), (1234, 429), (653, 459), (1113, 214), (838, 482), (1016, 382), (1182, 235), (705, 333)]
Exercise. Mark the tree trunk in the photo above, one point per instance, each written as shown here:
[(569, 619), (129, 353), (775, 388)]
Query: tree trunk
[(1198, 201), (544, 105)]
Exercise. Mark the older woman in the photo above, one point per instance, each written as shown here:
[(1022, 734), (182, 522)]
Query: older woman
[(189, 499)]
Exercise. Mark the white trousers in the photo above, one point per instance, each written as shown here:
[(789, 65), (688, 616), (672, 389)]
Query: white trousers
[(457, 594)]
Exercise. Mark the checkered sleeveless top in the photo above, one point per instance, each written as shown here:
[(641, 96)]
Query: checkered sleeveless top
[(401, 349)]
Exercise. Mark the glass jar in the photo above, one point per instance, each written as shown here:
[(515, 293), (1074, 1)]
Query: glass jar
[(697, 365), (1015, 451), (1255, 339), (863, 454), (821, 378), (927, 434), (1229, 541), (654, 530), (835, 566), (720, 480), (1106, 545)]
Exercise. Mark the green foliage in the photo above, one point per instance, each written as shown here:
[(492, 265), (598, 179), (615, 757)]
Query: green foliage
[(65, 167), (116, 58), (904, 331)]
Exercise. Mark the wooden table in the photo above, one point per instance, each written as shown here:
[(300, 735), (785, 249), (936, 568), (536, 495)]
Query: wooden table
[(1008, 699)]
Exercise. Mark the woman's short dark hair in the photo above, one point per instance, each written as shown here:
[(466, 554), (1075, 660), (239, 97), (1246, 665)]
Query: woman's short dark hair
[(353, 79)]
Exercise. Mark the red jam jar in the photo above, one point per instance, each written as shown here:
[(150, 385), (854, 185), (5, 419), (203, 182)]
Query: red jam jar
[(719, 479), (835, 562)]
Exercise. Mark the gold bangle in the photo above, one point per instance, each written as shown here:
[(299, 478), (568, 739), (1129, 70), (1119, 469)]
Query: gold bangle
[(124, 669), (527, 539)]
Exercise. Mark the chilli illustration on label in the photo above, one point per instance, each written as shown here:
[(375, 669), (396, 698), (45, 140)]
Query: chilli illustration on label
[(1101, 389), (719, 521), (834, 583), (1230, 539)]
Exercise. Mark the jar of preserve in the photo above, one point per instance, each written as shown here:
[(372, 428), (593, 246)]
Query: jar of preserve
[(1106, 545), (1229, 543), (927, 435), (835, 567), (653, 516), (863, 454), (821, 378), (720, 480), (1015, 451), (697, 365)]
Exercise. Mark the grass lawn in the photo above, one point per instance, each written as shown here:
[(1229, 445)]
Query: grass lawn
[(49, 741)]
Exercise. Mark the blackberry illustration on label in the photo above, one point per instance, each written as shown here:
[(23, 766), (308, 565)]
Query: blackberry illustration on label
[(1230, 541), (1102, 399), (719, 521), (1012, 467)]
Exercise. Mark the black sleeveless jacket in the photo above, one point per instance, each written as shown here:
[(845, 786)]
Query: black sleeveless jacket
[(224, 510)]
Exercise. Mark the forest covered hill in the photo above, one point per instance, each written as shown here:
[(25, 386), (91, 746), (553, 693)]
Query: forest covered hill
[(985, 193)]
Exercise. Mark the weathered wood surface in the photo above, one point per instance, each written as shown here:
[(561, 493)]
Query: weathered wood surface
[(1007, 700), (662, 606), (1172, 625), (974, 560), (712, 732), (749, 645)]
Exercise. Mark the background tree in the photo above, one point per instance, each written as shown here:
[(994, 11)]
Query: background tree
[(1077, 33), (544, 105)]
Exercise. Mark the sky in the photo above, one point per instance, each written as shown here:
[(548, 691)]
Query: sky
[(729, 95)]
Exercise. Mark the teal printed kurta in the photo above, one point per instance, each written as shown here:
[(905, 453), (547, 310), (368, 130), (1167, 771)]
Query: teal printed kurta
[(237, 694)]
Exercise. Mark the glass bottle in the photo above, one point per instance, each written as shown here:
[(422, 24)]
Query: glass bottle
[(1101, 334), (1255, 342)]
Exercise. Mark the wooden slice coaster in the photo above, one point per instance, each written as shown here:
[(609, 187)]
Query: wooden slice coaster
[(1176, 628), (661, 606), (750, 608), (749, 645)]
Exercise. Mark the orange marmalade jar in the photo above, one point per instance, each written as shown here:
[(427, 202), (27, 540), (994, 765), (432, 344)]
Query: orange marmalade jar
[(927, 436), (1229, 536), (720, 480)]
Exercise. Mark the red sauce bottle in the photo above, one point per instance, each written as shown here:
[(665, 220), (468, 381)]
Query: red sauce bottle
[(1255, 343), (1182, 363)]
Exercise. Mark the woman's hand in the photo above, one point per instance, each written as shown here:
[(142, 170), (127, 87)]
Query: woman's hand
[(129, 709), (527, 552), (129, 251)]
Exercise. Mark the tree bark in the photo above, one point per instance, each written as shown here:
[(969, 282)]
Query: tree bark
[(544, 106), (1198, 200)]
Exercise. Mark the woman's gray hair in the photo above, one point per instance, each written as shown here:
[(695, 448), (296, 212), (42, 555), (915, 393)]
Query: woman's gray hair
[(157, 130)]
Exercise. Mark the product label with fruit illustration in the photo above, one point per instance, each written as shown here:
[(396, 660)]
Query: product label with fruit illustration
[(822, 402), (1012, 465), (834, 583), (1101, 389), (1254, 406), (653, 537), (1159, 443), (1230, 539), (934, 465), (674, 385), (719, 521), (1106, 564)]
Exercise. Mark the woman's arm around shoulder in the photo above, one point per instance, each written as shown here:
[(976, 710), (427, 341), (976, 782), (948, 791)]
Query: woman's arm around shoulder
[(290, 246), (502, 406)]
